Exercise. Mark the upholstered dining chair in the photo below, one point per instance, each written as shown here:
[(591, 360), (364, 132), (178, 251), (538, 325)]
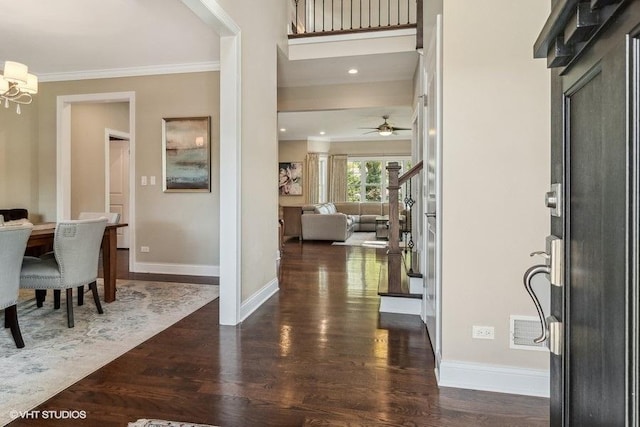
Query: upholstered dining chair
[(13, 242), (112, 217), (73, 263)]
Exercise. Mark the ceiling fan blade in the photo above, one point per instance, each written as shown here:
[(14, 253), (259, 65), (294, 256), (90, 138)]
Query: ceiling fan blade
[(367, 128), (373, 131), (395, 128)]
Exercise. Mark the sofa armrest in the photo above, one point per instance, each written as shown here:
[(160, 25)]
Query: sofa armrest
[(333, 227)]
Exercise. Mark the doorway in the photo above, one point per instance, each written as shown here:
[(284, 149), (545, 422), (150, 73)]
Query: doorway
[(63, 179), (117, 180)]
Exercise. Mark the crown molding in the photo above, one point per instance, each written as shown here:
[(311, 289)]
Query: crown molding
[(195, 67)]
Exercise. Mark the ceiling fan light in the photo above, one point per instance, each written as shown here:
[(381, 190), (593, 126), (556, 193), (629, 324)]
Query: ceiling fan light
[(385, 132), (15, 72)]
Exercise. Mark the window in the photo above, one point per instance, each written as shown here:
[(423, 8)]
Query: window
[(323, 178), (367, 178)]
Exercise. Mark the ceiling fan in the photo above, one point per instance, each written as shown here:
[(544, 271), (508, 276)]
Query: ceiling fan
[(385, 129)]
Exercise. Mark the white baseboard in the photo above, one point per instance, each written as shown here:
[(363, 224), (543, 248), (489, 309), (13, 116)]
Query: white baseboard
[(400, 305), (257, 299), (183, 269), (501, 379)]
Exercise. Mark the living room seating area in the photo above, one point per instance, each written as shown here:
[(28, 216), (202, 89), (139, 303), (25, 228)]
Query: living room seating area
[(337, 221)]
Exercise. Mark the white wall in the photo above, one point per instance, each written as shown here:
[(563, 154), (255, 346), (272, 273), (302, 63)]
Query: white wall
[(495, 172)]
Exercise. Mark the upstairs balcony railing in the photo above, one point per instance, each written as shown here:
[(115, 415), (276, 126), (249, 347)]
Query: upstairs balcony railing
[(323, 17)]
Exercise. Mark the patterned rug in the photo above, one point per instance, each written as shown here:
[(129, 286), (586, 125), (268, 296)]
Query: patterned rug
[(55, 357), (163, 423), (366, 239)]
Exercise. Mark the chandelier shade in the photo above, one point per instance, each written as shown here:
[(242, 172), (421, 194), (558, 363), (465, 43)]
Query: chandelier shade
[(15, 72), (17, 85), (32, 84)]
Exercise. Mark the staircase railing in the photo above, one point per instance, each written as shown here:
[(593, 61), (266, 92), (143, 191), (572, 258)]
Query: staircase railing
[(322, 17), (394, 252)]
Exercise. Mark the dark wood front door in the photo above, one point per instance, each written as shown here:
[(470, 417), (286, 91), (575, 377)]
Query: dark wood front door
[(594, 159)]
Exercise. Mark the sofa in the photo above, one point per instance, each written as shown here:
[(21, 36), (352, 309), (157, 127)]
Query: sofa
[(337, 221)]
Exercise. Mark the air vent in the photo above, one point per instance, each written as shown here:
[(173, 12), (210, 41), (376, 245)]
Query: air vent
[(524, 329)]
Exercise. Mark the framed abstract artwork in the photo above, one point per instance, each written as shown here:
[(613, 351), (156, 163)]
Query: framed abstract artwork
[(186, 154), (290, 179)]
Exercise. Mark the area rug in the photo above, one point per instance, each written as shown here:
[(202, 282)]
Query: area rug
[(55, 357), (163, 423), (365, 238)]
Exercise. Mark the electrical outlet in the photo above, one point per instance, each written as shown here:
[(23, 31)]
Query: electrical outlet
[(152, 180), (483, 332), (143, 180), (144, 248)]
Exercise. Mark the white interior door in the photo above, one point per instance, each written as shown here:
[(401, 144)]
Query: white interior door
[(119, 185)]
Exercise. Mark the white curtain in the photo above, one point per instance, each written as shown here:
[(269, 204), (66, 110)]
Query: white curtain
[(313, 178), (338, 178)]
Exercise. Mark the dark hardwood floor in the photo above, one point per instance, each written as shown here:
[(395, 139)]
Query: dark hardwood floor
[(318, 353)]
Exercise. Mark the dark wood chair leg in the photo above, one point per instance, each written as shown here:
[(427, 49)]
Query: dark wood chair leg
[(69, 307), (56, 299), (81, 295), (41, 295), (94, 290), (11, 317)]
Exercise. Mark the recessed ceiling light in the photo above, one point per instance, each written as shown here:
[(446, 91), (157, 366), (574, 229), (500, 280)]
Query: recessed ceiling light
[(283, 130), (322, 132), (353, 71)]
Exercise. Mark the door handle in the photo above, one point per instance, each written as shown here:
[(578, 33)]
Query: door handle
[(543, 254), (528, 276), (554, 259)]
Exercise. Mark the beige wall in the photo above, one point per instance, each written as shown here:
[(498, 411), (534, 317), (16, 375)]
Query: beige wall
[(263, 25), (18, 159), (88, 123), (495, 173), (372, 148), (179, 228), (336, 97)]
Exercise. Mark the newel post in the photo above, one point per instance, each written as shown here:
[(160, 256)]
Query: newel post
[(394, 255)]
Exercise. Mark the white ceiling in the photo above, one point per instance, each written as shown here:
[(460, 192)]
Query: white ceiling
[(344, 125), (73, 36)]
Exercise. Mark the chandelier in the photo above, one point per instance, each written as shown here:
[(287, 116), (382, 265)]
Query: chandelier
[(17, 85)]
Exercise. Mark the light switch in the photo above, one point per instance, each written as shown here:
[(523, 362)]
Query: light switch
[(143, 180), (153, 180)]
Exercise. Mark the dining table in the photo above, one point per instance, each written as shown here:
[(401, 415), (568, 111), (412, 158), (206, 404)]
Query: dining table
[(42, 237)]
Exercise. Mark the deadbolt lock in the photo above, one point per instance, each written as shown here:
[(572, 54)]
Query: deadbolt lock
[(553, 199)]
